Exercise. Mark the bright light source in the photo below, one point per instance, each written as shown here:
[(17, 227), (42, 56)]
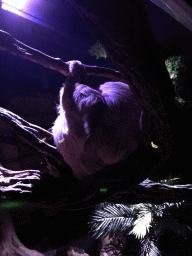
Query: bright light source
[(13, 6), (25, 9), (19, 4)]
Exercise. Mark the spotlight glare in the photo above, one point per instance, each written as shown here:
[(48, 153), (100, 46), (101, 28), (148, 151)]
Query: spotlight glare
[(13, 5)]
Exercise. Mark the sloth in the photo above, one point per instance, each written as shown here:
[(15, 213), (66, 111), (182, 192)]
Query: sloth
[(96, 126)]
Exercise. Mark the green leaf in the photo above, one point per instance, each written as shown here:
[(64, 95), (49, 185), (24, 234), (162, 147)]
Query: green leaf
[(178, 68), (98, 51)]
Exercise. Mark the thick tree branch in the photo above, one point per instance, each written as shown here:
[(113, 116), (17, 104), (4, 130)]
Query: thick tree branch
[(63, 191), (34, 138)]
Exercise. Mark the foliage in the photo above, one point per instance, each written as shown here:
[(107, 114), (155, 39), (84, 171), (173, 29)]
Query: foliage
[(112, 219), (173, 64), (98, 51), (177, 67), (149, 247), (145, 221)]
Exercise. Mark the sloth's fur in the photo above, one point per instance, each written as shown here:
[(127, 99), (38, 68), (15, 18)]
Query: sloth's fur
[(95, 127)]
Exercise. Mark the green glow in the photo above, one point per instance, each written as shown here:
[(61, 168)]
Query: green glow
[(11, 205), (103, 190)]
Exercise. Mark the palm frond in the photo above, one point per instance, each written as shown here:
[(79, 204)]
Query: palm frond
[(114, 219), (104, 204), (149, 247), (145, 216), (145, 221), (142, 225)]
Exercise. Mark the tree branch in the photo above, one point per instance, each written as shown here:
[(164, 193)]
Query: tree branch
[(154, 192), (12, 45), (54, 185)]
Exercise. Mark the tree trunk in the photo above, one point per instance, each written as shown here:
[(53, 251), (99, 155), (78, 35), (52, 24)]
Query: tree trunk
[(10, 245), (124, 31)]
